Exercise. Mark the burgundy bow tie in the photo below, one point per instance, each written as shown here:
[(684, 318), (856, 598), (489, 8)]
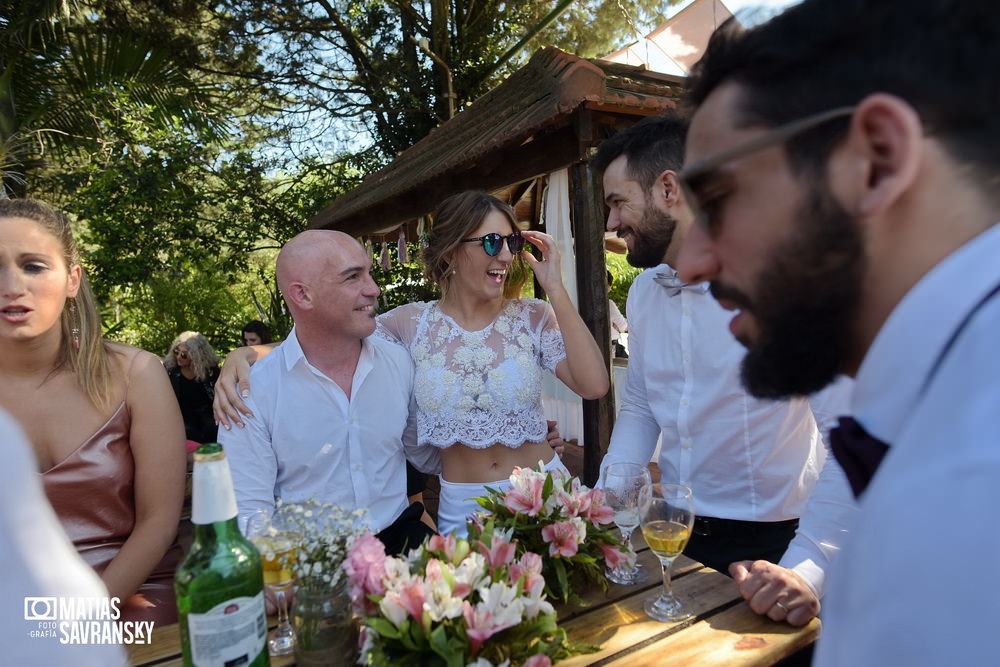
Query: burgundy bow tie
[(858, 453)]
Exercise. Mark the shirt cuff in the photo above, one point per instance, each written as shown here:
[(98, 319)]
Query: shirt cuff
[(805, 567)]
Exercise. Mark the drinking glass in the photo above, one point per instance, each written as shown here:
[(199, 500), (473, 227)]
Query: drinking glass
[(666, 512), (622, 483), (277, 543)]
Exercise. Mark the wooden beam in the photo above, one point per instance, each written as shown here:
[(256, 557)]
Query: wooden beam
[(546, 153), (592, 299)]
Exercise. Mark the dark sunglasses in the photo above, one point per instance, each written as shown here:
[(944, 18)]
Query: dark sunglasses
[(493, 243)]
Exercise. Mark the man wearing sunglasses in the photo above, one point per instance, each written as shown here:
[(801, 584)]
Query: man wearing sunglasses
[(751, 464), (843, 162)]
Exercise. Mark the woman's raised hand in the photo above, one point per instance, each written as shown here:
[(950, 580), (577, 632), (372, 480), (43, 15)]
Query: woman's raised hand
[(547, 269)]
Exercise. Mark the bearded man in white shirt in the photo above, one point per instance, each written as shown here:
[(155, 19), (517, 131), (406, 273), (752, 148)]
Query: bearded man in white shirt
[(752, 465), (331, 409), (834, 177)]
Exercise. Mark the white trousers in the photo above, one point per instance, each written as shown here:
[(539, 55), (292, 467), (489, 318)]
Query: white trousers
[(457, 504)]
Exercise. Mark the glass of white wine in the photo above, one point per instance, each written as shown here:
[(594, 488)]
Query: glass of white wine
[(667, 515), (277, 544), (622, 483)]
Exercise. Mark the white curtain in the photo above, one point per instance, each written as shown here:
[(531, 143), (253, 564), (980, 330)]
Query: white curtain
[(560, 403)]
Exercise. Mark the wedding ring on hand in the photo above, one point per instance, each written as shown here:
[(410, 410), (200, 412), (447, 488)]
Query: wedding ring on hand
[(781, 606)]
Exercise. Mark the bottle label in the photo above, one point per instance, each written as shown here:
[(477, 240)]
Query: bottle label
[(233, 632)]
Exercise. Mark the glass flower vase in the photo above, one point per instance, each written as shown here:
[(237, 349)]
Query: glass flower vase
[(326, 633)]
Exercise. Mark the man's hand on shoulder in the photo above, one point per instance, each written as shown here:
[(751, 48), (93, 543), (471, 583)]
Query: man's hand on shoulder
[(776, 591)]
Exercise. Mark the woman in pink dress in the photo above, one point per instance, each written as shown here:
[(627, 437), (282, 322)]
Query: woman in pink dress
[(102, 418)]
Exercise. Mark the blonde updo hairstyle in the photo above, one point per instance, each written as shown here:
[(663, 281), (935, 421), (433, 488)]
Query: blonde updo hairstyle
[(90, 361), (456, 218)]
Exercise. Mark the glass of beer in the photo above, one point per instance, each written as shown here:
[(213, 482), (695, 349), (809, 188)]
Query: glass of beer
[(666, 512), (277, 544)]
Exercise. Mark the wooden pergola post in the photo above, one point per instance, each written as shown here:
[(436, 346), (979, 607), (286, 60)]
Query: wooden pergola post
[(587, 212)]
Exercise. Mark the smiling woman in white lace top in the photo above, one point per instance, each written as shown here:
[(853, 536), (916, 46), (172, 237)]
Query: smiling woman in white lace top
[(478, 352), (479, 356)]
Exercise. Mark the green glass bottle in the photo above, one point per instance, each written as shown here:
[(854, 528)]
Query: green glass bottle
[(220, 582)]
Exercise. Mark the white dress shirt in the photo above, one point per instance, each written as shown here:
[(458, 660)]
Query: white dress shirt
[(619, 324), (38, 560), (744, 458), (309, 440), (915, 584)]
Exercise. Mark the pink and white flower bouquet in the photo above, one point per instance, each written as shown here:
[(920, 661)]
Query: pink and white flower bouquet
[(453, 603), (554, 515)]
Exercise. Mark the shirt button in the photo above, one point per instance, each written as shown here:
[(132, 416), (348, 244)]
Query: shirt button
[(686, 443), (357, 466), (687, 312), (685, 402), (687, 357)]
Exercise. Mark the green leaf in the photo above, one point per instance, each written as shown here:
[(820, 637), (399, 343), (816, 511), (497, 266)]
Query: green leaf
[(561, 577), (439, 643), (383, 627)]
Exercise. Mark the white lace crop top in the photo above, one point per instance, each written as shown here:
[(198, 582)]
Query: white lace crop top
[(482, 387)]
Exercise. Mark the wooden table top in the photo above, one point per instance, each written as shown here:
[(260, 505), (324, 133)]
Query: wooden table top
[(723, 630)]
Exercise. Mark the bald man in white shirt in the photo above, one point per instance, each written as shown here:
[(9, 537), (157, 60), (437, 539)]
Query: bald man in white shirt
[(331, 404)]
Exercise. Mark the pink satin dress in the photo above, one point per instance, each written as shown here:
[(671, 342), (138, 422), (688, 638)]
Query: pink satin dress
[(92, 493)]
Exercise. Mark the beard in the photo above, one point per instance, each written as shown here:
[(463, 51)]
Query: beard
[(651, 237), (804, 303)]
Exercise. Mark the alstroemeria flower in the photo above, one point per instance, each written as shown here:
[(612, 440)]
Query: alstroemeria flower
[(498, 553), (440, 603), (500, 609), (412, 595), (538, 660), (599, 511), (533, 600), (616, 556), (392, 608), (564, 537), (469, 574), (454, 549), (574, 500), (528, 567), (525, 495)]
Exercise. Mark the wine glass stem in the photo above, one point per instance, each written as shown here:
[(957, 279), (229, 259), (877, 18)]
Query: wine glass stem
[(666, 578), (282, 601)]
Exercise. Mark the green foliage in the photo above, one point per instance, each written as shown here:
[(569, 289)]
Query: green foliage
[(356, 65), (623, 274)]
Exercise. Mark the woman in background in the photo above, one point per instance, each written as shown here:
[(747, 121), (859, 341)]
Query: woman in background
[(193, 368), (256, 332), (112, 462)]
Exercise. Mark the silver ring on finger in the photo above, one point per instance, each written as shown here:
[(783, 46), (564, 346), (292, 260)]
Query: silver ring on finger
[(780, 605)]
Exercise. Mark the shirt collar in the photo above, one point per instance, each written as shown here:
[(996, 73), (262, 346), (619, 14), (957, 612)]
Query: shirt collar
[(896, 367), (294, 354)]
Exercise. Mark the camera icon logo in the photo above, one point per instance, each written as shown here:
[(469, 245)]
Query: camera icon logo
[(39, 609)]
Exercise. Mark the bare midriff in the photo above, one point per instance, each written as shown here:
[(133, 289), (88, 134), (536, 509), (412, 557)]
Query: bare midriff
[(464, 464)]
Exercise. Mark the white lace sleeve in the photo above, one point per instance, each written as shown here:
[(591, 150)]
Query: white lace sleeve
[(551, 348), (400, 324)]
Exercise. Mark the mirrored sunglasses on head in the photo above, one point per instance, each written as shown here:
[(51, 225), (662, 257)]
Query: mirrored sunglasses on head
[(493, 242)]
